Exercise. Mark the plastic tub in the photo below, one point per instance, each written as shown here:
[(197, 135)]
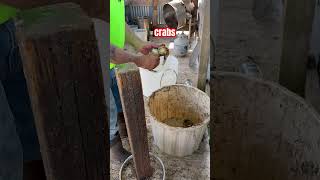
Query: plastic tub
[(142, 34), (262, 131), (179, 102), (164, 75)]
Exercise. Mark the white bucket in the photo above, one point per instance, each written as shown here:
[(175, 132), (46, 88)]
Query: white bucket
[(179, 102), (163, 75), (133, 27), (142, 34), (181, 44)]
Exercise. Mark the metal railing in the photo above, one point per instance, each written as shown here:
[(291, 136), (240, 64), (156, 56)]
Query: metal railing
[(136, 10)]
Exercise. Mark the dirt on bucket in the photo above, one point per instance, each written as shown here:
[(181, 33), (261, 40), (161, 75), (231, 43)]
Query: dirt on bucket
[(182, 122)]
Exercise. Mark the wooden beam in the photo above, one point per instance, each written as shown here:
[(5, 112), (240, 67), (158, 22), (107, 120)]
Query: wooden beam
[(195, 3), (214, 27), (296, 39), (130, 88), (155, 12), (190, 25), (196, 8), (204, 47), (267, 9), (96, 8), (63, 73)]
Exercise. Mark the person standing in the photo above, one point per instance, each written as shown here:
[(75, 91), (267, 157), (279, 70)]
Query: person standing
[(120, 33)]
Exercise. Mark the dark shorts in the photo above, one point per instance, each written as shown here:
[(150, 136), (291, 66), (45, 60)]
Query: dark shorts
[(14, 85)]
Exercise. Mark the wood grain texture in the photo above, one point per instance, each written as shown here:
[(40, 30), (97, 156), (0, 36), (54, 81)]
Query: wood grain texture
[(296, 41), (130, 88), (64, 78), (96, 8), (262, 131), (213, 110), (266, 10)]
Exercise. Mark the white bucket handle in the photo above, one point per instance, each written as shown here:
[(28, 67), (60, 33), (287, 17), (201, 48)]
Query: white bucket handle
[(164, 74), (131, 157)]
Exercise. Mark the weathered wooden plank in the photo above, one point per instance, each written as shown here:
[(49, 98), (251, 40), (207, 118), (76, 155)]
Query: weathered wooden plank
[(155, 12), (313, 89), (267, 9), (296, 40), (204, 47), (96, 8), (63, 73), (130, 89), (214, 27)]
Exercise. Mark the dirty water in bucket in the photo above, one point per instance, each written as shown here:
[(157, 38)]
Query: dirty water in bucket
[(182, 122), (129, 172)]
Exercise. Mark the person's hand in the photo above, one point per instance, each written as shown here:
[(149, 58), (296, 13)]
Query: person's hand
[(149, 62), (147, 47)]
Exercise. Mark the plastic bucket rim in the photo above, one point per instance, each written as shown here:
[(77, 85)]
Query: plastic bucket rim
[(204, 123)]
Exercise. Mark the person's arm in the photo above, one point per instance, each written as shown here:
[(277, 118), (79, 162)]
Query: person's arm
[(137, 43), (119, 56), (132, 39)]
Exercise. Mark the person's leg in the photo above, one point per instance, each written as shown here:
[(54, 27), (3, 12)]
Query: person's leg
[(11, 155), (117, 152), (121, 121), (16, 91), (18, 97), (113, 130)]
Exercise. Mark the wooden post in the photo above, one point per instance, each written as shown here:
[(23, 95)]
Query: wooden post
[(155, 13), (130, 88), (63, 72), (267, 9), (214, 30), (195, 2), (190, 25), (296, 41), (204, 47), (96, 8)]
